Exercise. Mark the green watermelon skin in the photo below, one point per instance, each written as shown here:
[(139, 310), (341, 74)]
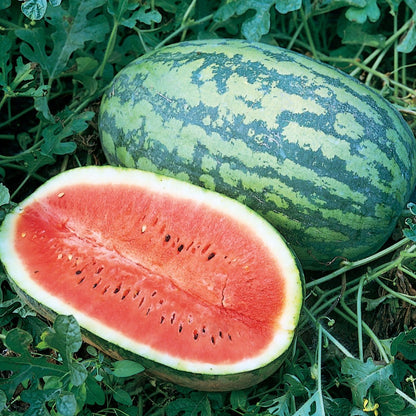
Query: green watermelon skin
[(326, 160)]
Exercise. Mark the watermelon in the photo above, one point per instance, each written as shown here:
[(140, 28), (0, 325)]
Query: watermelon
[(326, 160), (194, 285)]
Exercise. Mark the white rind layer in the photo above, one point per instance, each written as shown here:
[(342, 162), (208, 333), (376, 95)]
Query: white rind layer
[(285, 326)]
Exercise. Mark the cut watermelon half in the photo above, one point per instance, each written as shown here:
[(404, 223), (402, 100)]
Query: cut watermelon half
[(193, 284)]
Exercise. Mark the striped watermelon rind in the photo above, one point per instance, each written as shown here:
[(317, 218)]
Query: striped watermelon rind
[(325, 159)]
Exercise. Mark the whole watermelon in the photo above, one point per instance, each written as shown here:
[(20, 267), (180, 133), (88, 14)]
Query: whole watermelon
[(325, 159)]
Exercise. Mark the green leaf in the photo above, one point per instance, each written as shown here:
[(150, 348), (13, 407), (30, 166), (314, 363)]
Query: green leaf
[(238, 399), (65, 336), (122, 397), (408, 42), (94, 393), (337, 407), (196, 404), (142, 15), (78, 373), (286, 6), (148, 17), (5, 65), (371, 11), (280, 405), (69, 30), (355, 411), (293, 388), (80, 395), (356, 34), (336, 4), (24, 367), (4, 195), (54, 135), (312, 407), (61, 148), (405, 343), (258, 25), (168, 6), (126, 368), (42, 105), (410, 232), (364, 376), (66, 404), (3, 400), (37, 399), (4, 4), (34, 9), (372, 304), (70, 393), (86, 64), (19, 341), (389, 405), (23, 73), (34, 160), (253, 28)]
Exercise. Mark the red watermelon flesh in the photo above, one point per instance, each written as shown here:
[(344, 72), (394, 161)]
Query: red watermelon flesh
[(163, 268)]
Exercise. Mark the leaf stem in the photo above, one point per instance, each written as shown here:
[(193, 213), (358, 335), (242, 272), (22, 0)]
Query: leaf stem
[(186, 16), (353, 265), (359, 319), (367, 329), (401, 296), (308, 33), (182, 28), (388, 42), (406, 397), (395, 56), (328, 334), (319, 365), (295, 36), (109, 49)]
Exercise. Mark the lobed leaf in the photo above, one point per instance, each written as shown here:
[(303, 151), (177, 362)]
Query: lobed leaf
[(65, 336), (364, 376), (34, 9), (253, 28), (196, 404), (405, 343), (370, 11), (71, 30), (312, 407), (143, 15), (24, 367), (287, 6), (408, 41), (37, 400), (238, 399)]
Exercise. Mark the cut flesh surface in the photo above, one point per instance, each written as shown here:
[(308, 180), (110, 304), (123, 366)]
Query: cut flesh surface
[(169, 271)]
